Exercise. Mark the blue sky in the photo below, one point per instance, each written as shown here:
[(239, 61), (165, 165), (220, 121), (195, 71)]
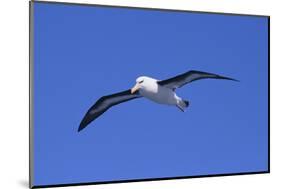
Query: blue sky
[(82, 53)]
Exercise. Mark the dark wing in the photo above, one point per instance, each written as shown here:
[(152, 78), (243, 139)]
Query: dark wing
[(180, 80), (103, 104)]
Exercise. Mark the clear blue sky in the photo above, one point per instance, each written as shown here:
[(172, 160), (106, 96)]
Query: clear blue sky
[(83, 53)]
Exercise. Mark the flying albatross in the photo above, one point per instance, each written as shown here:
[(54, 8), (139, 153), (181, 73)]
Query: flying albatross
[(159, 91)]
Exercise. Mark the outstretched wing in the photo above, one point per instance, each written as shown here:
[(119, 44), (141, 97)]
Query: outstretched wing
[(103, 104), (187, 77)]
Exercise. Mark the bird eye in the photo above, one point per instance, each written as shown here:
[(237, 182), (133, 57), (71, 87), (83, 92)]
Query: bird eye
[(141, 81)]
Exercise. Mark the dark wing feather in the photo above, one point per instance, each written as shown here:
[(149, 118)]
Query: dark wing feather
[(180, 80), (103, 104)]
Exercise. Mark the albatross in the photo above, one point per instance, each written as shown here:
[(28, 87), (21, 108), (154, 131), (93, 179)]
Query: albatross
[(159, 91)]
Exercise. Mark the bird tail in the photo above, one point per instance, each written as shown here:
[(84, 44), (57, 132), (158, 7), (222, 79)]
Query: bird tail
[(182, 105)]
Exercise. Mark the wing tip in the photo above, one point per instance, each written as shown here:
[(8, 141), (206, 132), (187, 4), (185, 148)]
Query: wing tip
[(82, 125), (228, 78), (219, 76), (80, 128)]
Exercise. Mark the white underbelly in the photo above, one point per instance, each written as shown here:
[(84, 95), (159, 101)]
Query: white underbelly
[(161, 95)]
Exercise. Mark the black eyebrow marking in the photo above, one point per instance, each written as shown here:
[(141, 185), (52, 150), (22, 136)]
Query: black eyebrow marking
[(141, 81)]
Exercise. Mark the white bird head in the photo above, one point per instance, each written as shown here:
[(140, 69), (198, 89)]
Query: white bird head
[(141, 83)]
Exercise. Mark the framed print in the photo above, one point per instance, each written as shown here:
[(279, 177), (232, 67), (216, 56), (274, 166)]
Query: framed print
[(122, 94)]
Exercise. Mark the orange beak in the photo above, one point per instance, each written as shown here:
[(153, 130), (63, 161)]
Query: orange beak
[(135, 88)]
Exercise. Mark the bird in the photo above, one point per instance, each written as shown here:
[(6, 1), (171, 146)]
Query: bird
[(159, 91)]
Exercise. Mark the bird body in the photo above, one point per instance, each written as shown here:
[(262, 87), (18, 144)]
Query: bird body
[(159, 91), (150, 89)]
